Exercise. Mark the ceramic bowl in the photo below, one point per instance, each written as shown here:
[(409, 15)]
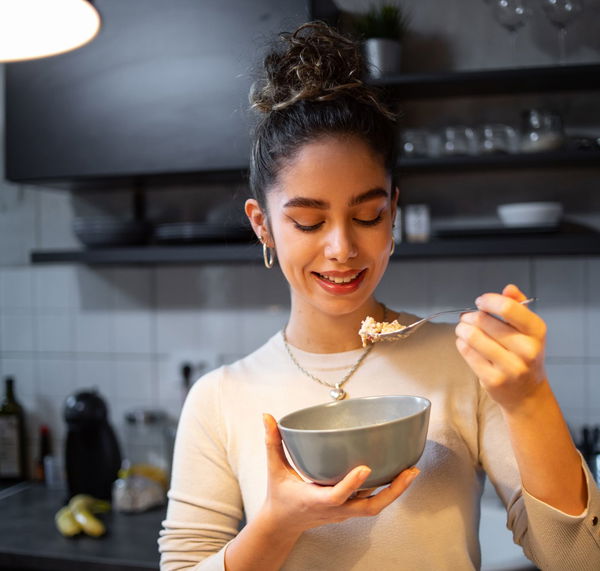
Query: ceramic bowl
[(386, 433), (530, 213)]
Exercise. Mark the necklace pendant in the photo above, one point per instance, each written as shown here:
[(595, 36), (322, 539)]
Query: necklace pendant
[(338, 393)]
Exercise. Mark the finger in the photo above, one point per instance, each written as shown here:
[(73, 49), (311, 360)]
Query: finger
[(364, 493), (527, 347), (487, 347), (512, 291), (276, 458), (512, 312), (482, 368), (375, 504), (345, 488)]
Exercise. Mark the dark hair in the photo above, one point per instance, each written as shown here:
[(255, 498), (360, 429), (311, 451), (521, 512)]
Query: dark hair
[(312, 87)]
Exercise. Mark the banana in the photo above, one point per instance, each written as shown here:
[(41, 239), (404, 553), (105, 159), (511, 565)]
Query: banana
[(83, 506), (78, 516), (66, 522), (85, 501)]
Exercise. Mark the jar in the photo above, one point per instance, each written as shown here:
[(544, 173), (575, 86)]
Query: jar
[(414, 143), (497, 138), (148, 440), (542, 131), (459, 140)]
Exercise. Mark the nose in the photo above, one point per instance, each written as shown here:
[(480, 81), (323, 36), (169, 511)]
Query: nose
[(340, 244)]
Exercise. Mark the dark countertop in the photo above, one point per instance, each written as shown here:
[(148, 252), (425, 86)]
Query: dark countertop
[(29, 539)]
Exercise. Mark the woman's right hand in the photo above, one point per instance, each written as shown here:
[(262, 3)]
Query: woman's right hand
[(296, 505)]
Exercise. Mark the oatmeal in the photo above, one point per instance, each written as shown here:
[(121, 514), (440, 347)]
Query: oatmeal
[(370, 329)]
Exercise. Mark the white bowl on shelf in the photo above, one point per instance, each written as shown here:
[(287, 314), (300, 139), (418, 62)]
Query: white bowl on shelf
[(529, 214)]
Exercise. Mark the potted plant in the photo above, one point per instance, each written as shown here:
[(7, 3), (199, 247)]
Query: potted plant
[(382, 30)]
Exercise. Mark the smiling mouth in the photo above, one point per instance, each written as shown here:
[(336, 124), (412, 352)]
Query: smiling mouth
[(340, 280)]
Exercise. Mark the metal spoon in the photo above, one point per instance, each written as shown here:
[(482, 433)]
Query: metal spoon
[(407, 330)]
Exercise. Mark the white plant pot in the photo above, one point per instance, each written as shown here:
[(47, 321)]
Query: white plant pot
[(382, 56)]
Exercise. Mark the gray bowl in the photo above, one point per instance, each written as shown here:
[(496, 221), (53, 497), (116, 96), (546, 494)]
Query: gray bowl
[(386, 433)]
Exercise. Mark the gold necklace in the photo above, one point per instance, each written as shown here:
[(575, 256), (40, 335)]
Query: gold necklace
[(336, 391)]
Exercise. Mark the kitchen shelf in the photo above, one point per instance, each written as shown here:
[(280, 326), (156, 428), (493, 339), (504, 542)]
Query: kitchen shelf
[(204, 253), (585, 243), (577, 159), (509, 81)]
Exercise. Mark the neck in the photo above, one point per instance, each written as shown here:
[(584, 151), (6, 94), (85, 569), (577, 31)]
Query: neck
[(317, 332)]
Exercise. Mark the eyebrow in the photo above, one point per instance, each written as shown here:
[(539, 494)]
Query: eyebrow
[(369, 195), (302, 202)]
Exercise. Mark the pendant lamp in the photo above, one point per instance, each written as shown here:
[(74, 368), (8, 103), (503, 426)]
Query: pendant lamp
[(32, 29)]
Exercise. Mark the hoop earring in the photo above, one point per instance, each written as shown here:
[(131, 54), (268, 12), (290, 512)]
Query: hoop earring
[(393, 247), (268, 256)]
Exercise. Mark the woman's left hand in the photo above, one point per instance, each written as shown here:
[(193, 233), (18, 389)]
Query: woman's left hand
[(508, 355)]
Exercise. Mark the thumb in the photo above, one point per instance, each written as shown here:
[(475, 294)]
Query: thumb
[(276, 458)]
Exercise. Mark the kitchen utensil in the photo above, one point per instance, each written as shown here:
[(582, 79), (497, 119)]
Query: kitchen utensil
[(93, 457), (407, 330), (530, 213), (385, 433)]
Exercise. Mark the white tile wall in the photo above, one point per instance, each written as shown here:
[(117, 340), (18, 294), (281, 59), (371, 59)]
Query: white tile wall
[(17, 332), (560, 287), (126, 331)]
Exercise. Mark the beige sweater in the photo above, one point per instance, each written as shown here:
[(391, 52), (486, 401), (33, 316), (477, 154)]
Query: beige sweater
[(220, 466)]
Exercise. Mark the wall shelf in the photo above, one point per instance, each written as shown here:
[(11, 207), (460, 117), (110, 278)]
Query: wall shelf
[(567, 158), (584, 243), (491, 81), (401, 87)]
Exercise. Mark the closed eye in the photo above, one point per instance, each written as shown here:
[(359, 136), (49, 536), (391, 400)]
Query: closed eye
[(371, 222), (311, 228)]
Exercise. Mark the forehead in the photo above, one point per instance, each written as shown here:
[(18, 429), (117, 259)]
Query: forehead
[(330, 166)]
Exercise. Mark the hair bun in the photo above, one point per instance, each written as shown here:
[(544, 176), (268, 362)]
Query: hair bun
[(312, 63)]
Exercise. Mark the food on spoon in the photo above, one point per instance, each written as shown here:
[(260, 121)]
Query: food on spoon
[(370, 330)]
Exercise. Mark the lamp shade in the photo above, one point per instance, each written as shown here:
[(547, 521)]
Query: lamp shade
[(32, 29)]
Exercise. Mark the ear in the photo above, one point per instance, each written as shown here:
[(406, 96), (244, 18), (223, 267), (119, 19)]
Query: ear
[(258, 220)]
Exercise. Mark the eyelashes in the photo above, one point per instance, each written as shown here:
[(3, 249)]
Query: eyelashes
[(371, 222), (315, 227)]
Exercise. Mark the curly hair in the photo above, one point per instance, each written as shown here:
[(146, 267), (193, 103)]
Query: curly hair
[(312, 86)]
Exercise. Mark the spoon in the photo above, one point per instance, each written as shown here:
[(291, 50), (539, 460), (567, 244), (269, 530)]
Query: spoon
[(407, 330)]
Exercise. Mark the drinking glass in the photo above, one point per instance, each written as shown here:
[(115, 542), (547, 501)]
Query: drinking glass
[(561, 13), (512, 15)]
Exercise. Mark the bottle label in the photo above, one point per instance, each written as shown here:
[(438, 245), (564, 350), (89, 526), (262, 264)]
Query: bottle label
[(9, 447)]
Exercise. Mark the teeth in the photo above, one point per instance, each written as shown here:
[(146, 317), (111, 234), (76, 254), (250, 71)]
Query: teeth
[(337, 280)]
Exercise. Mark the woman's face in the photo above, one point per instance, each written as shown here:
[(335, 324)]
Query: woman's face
[(330, 216)]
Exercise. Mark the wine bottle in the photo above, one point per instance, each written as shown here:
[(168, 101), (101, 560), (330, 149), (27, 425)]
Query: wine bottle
[(13, 458)]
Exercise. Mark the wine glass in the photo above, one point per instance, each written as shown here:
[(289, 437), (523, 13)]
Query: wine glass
[(512, 15), (561, 13)]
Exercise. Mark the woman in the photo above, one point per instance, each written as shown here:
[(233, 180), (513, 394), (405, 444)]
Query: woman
[(324, 202)]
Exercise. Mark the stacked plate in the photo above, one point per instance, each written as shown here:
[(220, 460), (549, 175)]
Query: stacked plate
[(200, 232), (103, 231)]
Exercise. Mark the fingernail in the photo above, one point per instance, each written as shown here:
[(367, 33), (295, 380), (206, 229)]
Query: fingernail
[(265, 419), (467, 317), (414, 472), (364, 472), (478, 301)]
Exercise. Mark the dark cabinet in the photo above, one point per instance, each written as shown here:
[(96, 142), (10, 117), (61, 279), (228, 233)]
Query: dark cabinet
[(163, 90)]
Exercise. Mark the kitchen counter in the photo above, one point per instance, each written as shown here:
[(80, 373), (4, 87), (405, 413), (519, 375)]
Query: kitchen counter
[(29, 539)]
